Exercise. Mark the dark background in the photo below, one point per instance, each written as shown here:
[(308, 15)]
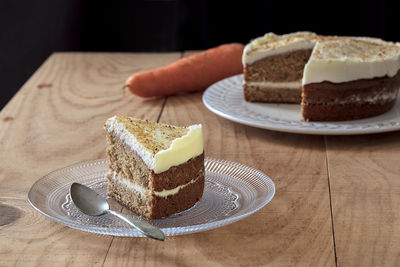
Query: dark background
[(31, 30)]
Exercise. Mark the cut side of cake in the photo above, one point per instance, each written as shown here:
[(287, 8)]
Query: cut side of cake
[(338, 78), (273, 67), (155, 169)]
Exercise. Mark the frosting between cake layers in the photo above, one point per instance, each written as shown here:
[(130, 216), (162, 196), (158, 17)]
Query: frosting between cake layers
[(142, 190), (296, 84), (179, 151), (384, 96)]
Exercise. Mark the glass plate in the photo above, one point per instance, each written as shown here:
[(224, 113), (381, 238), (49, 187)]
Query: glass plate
[(225, 98), (232, 191)]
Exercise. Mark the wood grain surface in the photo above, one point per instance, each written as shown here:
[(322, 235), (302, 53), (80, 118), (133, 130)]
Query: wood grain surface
[(365, 184), (55, 120), (336, 199)]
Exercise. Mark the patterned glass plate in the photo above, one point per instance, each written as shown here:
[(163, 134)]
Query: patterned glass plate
[(225, 98), (232, 191)]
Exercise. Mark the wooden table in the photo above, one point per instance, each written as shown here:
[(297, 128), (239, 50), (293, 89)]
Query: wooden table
[(337, 198)]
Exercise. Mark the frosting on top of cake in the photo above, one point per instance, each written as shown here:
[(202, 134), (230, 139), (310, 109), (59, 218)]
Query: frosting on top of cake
[(160, 146), (334, 58), (344, 59), (271, 44)]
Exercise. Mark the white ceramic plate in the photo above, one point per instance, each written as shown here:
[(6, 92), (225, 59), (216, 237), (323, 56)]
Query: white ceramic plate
[(225, 98), (232, 192)]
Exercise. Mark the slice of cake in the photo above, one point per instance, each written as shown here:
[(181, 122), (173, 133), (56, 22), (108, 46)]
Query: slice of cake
[(333, 77), (156, 169)]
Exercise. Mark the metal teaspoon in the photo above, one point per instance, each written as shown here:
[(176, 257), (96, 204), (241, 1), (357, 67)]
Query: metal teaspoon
[(91, 203)]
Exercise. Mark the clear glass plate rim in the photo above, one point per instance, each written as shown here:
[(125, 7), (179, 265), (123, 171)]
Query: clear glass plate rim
[(187, 229)]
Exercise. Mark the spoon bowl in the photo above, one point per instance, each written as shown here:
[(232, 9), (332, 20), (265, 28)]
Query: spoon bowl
[(88, 201), (92, 204)]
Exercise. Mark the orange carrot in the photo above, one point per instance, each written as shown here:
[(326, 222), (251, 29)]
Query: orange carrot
[(189, 74)]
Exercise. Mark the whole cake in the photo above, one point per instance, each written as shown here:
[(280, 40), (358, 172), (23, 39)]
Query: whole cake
[(333, 77), (155, 169)]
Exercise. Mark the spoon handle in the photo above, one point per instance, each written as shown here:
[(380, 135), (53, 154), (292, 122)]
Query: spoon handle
[(144, 227)]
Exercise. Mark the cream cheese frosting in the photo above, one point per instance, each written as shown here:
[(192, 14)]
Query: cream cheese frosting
[(142, 190), (349, 59), (296, 84), (384, 96), (333, 59), (271, 44), (160, 146)]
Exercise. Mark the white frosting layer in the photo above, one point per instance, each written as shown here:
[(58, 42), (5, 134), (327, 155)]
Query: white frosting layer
[(142, 190), (348, 60), (180, 151), (296, 84), (250, 58), (271, 44)]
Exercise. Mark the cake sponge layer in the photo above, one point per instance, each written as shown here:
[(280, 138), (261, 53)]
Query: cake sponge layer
[(272, 94), (284, 67)]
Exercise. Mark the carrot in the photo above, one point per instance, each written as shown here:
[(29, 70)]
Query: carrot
[(189, 74)]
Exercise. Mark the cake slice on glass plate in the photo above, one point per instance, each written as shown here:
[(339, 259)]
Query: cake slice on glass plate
[(155, 169)]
